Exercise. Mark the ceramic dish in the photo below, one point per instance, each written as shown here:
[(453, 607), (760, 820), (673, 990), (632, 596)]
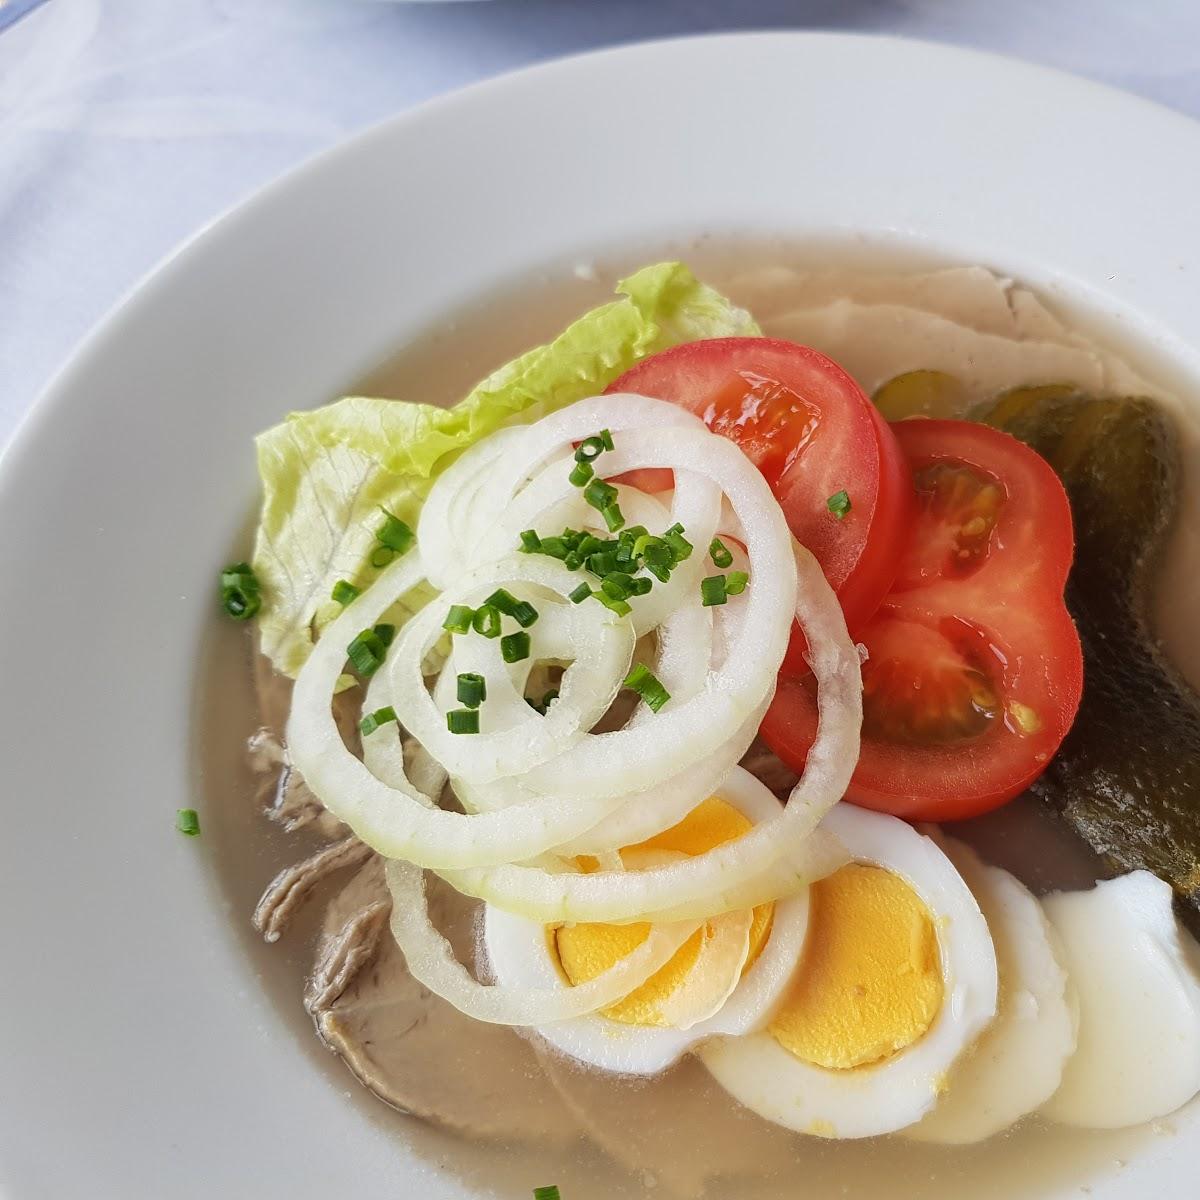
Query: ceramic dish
[(140, 1054)]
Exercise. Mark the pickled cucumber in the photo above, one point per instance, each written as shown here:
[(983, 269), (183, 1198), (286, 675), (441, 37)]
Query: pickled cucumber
[(921, 394), (1127, 777)]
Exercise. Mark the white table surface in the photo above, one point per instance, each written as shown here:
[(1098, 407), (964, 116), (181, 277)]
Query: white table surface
[(126, 125)]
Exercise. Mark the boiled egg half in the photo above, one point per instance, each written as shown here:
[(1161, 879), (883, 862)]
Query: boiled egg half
[(896, 980), (702, 992)]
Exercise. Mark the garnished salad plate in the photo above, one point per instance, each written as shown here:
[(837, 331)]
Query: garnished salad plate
[(629, 631)]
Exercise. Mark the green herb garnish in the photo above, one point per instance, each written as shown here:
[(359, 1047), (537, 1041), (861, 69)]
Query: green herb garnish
[(344, 592), (720, 554), (463, 720), (241, 596), (839, 504), (486, 621), (472, 689), (459, 618), (641, 680), (372, 721), (394, 533), (187, 821), (520, 610), (515, 647)]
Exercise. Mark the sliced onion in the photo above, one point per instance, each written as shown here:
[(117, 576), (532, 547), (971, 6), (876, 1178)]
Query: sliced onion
[(715, 974), (431, 961), (776, 858), (549, 782)]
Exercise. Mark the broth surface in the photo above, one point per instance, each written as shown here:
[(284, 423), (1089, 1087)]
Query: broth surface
[(663, 1133)]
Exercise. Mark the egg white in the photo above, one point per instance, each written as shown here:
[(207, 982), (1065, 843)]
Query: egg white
[(875, 1099), (518, 955), (1017, 1063), (1134, 971)]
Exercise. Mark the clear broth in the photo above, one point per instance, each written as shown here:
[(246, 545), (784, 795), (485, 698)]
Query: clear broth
[(1031, 1160)]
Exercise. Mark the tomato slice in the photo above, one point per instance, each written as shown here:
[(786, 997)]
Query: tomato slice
[(973, 669), (813, 433)]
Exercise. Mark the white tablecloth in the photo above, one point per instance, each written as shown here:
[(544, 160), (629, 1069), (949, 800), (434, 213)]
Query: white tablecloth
[(125, 125)]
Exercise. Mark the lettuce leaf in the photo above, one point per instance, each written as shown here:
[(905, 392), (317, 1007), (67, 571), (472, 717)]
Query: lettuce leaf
[(327, 473)]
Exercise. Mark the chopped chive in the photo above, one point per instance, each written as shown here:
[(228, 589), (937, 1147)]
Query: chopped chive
[(620, 607), (187, 821), (550, 1192), (555, 547), (458, 619), (240, 593), (614, 518), (617, 585), (520, 610), (385, 633), (644, 542), (344, 592), (712, 590), (530, 542), (515, 647), (641, 680), (381, 556), (239, 575), (502, 600), (524, 614), (659, 561), (581, 474), (372, 721), (839, 504), (603, 563), (573, 562), (472, 689), (606, 439), (735, 582), (589, 544), (368, 650), (394, 533), (486, 621), (549, 698), (463, 720), (720, 554), (590, 449), (680, 547), (580, 594), (639, 586), (600, 494)]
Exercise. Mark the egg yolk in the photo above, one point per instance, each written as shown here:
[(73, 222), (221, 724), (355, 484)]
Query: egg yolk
[(585, 950), (870, 982)]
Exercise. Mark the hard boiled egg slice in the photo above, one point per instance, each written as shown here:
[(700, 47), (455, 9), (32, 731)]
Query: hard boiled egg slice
[(642, 1034), (1017, 1063), (1139, 1004), (897, 980)]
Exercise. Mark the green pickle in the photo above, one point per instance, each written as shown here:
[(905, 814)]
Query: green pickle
[(921, 394), (1127, 778)]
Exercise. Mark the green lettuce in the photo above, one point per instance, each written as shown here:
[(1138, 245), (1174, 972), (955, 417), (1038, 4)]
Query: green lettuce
[(327, 473)]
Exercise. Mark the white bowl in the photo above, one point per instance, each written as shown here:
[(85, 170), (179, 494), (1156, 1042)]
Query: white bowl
[(139, 1054)]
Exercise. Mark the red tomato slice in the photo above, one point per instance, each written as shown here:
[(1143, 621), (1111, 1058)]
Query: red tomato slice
[(973, 672), (813, 433)]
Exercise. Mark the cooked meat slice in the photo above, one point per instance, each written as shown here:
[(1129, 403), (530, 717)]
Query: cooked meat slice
[(411, 1048), (288, 891)]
